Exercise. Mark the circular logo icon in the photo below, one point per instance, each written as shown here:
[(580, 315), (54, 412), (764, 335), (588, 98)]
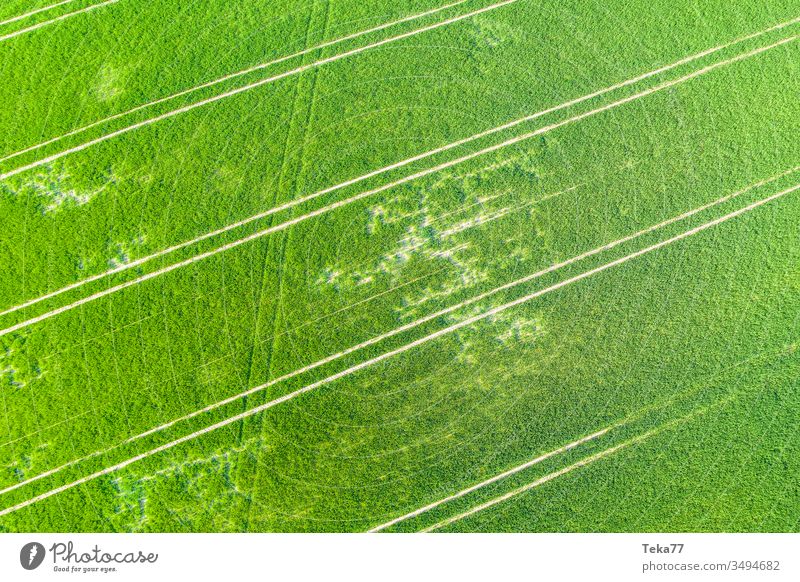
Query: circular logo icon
[(31, 555)]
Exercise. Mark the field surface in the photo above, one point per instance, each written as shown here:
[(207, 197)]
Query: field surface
[(410, 265)]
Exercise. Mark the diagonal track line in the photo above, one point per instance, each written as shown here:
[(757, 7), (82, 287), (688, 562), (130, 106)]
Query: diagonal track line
[(638, 415), (362, 195), (390, 354), (577, 465), (55, 20), (397, 165), (489, 481), (230, 76), (541, 481), (34, 12), (409, 326), (248, 87)]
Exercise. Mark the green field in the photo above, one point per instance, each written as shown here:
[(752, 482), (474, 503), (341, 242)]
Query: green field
[(391, 278)]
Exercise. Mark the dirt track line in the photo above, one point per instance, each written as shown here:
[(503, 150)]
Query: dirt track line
[(621, 423), (407, 327), (491, 480), (228, 77), (55, 20), (232, 92), (537, 483), (387, 355), (579, 464), (33, 12), (362, 195), (380, 171)]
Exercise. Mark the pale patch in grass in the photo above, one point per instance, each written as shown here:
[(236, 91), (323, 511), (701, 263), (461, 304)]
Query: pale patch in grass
[(108, 84)]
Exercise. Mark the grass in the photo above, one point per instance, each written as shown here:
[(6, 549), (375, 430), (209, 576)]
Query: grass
[(696, 341)]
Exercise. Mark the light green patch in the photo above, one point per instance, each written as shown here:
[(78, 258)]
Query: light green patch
[(109, 84)]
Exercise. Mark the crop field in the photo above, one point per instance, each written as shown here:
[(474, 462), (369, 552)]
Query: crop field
[(399, 266)]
